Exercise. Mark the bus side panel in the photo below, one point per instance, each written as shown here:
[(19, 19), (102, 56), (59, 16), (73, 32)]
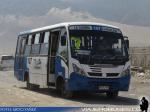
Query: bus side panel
[(19, 71), (16, 61), (59, 70), (20, 61), (16, 67), (38, 70)]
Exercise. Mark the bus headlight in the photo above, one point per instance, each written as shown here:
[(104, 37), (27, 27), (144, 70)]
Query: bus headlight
[(125, 72), (78, 70)]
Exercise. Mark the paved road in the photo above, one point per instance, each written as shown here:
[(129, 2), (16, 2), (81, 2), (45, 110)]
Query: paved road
[(14, 93)]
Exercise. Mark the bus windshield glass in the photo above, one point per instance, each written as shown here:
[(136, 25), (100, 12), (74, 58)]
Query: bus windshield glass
[(99, 44)]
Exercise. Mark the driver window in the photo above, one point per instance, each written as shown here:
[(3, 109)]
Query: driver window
[(63, 37), (63, 43)]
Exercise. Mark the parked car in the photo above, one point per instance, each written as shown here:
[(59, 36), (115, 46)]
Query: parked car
[(7, 62)]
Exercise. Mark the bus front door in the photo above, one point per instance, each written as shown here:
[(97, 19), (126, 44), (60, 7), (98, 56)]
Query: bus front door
[(52, 55)]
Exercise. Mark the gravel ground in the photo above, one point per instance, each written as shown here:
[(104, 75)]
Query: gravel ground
[(14, 93)]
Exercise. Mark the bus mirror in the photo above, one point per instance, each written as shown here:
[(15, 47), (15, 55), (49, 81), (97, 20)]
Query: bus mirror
[(126, 41), (63, 40)]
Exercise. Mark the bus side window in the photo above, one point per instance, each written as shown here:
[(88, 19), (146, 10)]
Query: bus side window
[(22, 47), (29, 39), (44, 43), (36, 43), (37, 38), (18, 45), (28, 46)]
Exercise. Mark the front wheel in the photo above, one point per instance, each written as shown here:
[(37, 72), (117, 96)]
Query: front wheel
[(65, 93), (28, 85), (112, 94)]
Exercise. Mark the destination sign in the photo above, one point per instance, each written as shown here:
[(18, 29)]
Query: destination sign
[(95, 28)]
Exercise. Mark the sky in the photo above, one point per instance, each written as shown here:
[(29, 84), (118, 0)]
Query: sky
[(132, 16)]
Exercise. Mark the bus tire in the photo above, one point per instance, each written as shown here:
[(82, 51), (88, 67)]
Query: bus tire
[(28, 85), (65, 93), (112, 94)]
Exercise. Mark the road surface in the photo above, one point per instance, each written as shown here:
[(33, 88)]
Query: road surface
[(14, 93)]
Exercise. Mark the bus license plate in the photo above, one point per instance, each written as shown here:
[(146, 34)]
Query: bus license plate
[(103, 87)]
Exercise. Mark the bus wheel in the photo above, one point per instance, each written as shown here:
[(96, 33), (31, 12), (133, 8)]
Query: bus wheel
[(65, 93), (112, 94), (28, 85)]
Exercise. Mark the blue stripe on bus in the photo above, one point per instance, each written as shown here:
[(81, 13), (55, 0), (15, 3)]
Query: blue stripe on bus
[(59, 70), (83, 83)]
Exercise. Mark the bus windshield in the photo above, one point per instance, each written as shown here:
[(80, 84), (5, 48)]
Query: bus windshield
[(97, 45)]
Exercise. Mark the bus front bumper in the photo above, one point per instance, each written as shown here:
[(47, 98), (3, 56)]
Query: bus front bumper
[(83, 83)]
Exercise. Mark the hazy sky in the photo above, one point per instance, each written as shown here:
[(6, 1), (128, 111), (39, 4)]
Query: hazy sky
[(134, 12), (20, 15)]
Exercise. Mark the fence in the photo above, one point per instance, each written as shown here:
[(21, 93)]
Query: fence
[(140, 56)]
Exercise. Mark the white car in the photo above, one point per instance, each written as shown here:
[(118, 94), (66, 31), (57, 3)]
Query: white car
[(7, 62)]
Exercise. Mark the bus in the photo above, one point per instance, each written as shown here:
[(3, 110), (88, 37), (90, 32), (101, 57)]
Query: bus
[(6, 62), (74, 57)]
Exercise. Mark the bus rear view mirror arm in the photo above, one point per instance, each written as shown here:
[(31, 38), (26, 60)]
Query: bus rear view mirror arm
[(126, 41)]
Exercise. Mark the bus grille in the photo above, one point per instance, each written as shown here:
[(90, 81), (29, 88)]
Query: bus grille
[(95, 74), (112, 74), (95, 69)]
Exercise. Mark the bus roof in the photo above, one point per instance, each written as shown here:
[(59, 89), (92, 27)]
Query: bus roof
[(65, 24)]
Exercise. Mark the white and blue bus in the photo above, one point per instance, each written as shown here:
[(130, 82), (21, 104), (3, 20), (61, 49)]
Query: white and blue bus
[(74, 56)]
